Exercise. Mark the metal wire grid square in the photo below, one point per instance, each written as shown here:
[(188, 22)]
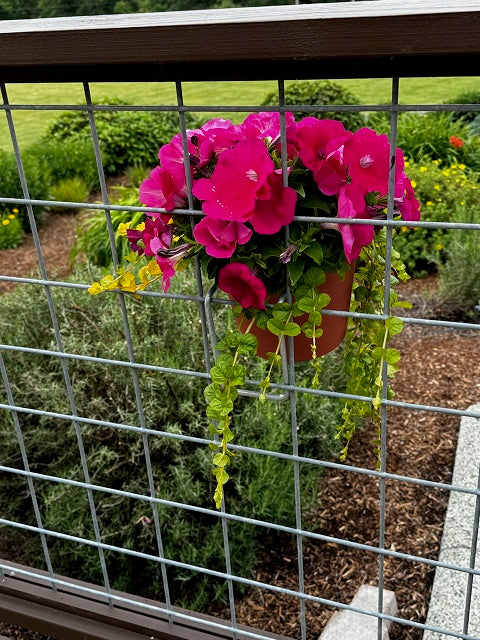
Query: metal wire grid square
[(288, 388)]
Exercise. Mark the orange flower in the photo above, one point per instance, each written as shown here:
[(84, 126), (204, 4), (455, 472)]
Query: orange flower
[(456, 142)]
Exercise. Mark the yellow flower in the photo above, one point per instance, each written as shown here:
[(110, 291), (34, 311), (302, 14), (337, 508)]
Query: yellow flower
[(438, 246), (462, 202), (429, 203), (15, 210), (406, 163), (414, 184), (140, 226), (404, 229), (11, 216), (462, 167), (122, 228), (95, 289), (6, 221), (446, 172), (423, 169), (436, 187)]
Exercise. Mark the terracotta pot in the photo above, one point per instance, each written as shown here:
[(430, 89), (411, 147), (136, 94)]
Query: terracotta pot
[(334, 327)]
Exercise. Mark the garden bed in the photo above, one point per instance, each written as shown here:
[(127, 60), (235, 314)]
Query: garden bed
[(437, 366)]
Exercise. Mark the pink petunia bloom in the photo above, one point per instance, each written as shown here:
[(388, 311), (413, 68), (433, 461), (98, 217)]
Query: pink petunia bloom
[(172, 159), (167, 260), (266, 126), (351, 204), (156, 235), (270, 215), (221, 237), (317, 139), (214, 137), (239, 175), (407, 204), (367, 156), (248, 290), (331, 174), (161, 189)]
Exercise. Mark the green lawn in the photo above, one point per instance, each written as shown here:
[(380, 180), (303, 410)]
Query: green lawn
[(31, 125)]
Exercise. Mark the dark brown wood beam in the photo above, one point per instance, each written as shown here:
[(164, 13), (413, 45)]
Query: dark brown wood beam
[(361, 39)]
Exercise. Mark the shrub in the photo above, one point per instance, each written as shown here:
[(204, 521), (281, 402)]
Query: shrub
[(64, 159), (166, 333), (313, 92), (37, 181), (126, 138), (69, 190), (469, 97), (11, 230), (440, 190), (431, 136), (459, 268), (92, 236)]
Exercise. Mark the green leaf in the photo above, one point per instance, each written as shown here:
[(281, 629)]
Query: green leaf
[(212, 392), (221, 475), (394, 325), (274, 358), (322, 300), (307, 303), (278, 328), (315, 252), (221, 460), (392, 356), (219, 408), (314, 277), (282, 311), (236, 374), (248, 345), (315, 317), (295, 269), (310, 330)]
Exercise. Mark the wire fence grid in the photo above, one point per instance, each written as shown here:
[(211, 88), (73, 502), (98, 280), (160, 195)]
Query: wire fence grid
[(287, 391)]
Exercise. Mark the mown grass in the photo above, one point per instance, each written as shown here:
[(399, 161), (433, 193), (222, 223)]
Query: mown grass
[(32, 124)]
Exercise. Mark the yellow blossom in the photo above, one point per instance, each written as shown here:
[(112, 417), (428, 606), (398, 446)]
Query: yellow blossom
[(140, 226), (404, 229), (6, 221), (462, 202), (438, 246), (429, 203), (423, 169), (462, 167), (414, 184), (15, 210), (436, 187), (123, 228), (11, 216)]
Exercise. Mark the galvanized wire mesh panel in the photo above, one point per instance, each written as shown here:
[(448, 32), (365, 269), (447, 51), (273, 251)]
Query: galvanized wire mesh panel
[(142, 428)]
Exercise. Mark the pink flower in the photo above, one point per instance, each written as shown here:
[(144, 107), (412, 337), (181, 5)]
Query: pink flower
[(237, 280), (266, 126), (238, 178), (172, 159), (167, 260), (407, 204), (163, 190), (331, 174), (367, 156), (155, 236), (351, 204), (272, 213), (221, 237), (214, 137), (317, 139)]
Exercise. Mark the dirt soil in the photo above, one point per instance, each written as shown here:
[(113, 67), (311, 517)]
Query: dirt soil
[(438, 368)]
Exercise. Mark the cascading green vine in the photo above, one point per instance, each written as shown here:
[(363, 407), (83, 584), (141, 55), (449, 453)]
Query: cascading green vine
[(366, 344)]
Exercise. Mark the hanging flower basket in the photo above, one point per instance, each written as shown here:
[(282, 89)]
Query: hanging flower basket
[(294, 215)]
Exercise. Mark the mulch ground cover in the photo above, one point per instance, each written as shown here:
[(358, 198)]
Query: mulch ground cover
[(437, 368)]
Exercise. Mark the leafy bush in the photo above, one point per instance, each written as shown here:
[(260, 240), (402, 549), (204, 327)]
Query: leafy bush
[(165, 333), (459, 268), (11, 230), (64, 159), (37, 181), (69, 190), (126, 138), (432, 136), (92, 236), (440, 191), (313, 92), (469, 97)]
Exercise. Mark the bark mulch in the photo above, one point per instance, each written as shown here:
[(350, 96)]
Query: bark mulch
[(438, 368)]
